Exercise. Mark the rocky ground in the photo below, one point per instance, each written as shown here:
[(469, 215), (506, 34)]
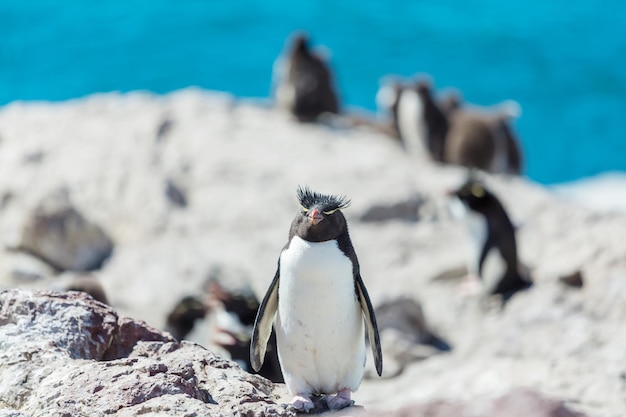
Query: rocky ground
[(165, 191)]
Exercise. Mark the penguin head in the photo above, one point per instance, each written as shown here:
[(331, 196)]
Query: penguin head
[(475, 196), (181, 319), (451, 102), (423, 86), (320, 217), (300, 43)]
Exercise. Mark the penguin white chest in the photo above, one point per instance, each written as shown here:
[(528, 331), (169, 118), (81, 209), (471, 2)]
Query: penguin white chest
[(319, 325), (411, 123), (493, 266)]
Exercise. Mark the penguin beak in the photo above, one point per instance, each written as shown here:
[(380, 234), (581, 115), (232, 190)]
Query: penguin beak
[(315, 217)]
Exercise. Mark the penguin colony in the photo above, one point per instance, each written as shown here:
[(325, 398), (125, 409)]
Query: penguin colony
[(312, 321), (443, 129), (317, 301)]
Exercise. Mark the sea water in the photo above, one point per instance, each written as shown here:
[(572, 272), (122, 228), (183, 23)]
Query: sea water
[(563, 61)]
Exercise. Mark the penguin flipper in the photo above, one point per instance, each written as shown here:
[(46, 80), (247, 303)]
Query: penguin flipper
[(370, 322), (263, 323)]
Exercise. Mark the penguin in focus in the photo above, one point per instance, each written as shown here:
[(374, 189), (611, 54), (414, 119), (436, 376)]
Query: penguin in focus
[(494, 259), (304, 82), (320, 308)]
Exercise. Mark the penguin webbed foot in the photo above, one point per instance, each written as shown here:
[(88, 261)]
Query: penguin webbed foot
[(339, 401), (320, 403), (301, 403)]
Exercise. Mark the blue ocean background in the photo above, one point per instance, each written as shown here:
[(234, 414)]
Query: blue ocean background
[(563, 61)]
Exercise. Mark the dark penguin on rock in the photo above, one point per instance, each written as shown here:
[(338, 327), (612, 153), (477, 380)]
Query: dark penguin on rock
[(494, 259), (482, 138), (304, 82), (319, 307)]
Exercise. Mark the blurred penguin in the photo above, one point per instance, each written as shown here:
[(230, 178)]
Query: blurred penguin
[(183, 317), (303, 82), (229, 315), (420, 123), (493, 262), (482, 138)]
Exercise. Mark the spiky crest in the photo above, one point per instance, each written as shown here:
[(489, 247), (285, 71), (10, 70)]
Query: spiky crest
[(309, 199)]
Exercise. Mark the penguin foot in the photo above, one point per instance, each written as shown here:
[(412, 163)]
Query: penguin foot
[(302, 403), (339, 401)]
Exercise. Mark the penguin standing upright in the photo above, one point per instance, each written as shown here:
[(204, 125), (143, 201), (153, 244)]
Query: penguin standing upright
[(436, 121), (318, 304), (494, 259), (304, 83), (420, 123)]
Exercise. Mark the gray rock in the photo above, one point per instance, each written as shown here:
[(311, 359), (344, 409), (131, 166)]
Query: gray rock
[(66, 354), (59, 234), (407, 210), (405, 334)]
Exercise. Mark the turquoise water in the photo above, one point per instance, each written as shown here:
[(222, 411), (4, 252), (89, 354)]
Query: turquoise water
[(563, 61)]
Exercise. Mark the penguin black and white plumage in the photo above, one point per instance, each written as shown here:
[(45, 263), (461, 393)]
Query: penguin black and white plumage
[(494, 259), (183, 317), (319, 307), (304, 83), (420, 123), (228, 314)]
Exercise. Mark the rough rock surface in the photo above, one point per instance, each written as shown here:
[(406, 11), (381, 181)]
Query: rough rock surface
[(237, 163), (67, 354)]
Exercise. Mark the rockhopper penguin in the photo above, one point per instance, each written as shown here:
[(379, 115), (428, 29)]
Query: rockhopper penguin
[(494, 259), (320, 308), (304, 83)]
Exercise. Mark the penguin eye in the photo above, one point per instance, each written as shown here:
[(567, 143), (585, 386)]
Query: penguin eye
[(329, 212), (478, 191), (304, 209)]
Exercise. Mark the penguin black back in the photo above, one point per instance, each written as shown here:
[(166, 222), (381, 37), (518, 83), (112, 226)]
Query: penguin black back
[(436, 121), (311, 77)]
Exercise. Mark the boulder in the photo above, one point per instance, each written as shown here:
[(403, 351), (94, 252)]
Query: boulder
[(67, 354), (62, 236)]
